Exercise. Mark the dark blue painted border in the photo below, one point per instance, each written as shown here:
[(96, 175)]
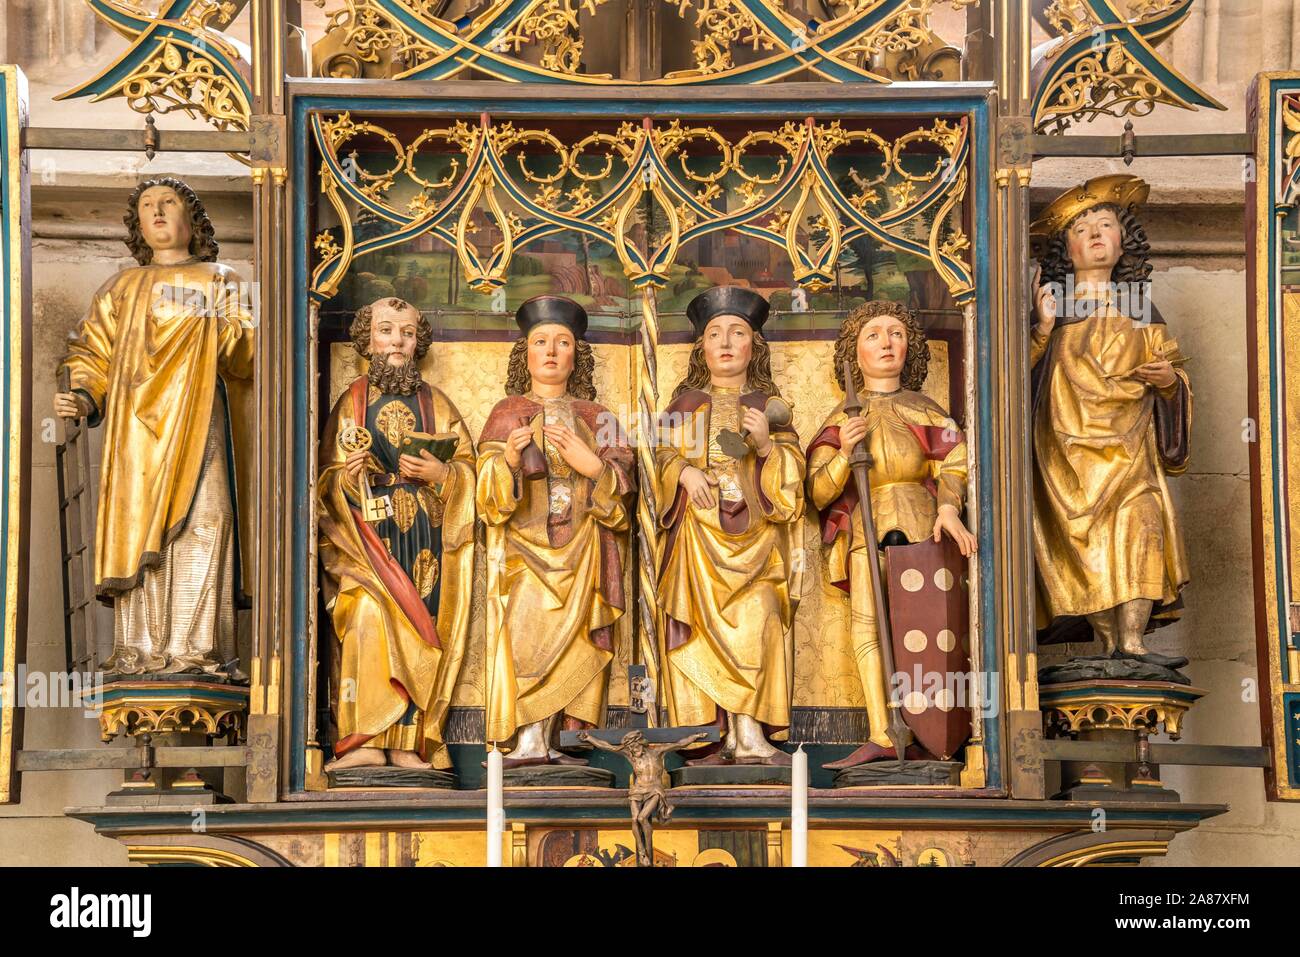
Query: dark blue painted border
[(970, 101), (13, 314), (405, 814), (1280, 493)]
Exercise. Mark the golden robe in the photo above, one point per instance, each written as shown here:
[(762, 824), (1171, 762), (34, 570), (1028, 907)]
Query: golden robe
[(149, 361), (918, 463), (1104, 525), (392, 653), (165, 358), (555, 552), (731, 574)]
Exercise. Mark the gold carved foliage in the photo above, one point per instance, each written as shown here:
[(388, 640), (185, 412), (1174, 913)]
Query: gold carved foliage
[(553, 25), (181, 78), (1105, 63), (1078, 706), (1289, 161), (161, 718), (857, 40), (645, 189), (185, 64), (722, 25)]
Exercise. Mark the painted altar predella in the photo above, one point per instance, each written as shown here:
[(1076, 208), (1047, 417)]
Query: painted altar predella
[(677, 465)]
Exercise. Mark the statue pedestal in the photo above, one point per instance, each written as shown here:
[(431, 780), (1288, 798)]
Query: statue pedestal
[(1115, 711), (390, 777), (900, 773), (729, 775), (171, 711), (557, 776)]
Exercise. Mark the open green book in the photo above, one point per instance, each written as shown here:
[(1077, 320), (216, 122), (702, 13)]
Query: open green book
[(441, 446)]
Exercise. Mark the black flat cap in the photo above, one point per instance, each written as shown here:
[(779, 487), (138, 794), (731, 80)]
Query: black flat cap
[(727, 301), (541, 310)]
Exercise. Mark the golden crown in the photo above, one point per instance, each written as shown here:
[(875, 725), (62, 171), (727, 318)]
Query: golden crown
[(1122, 189)]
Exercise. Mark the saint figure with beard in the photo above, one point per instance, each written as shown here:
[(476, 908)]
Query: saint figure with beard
[(397, 590)]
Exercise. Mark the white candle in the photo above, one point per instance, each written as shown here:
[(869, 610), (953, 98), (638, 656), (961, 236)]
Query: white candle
[(799, 809), (496, 813)]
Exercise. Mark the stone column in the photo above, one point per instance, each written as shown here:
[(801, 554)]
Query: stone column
[(1210, 62), (1187, 46)]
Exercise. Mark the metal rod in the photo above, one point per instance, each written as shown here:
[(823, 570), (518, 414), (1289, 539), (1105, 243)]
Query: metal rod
[(174, 141), (101, 759), (1201, 755), (1173, 144)]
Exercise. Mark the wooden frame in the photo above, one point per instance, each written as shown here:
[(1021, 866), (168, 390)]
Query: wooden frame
[(15, 416), (1273, 356), (304, 97)]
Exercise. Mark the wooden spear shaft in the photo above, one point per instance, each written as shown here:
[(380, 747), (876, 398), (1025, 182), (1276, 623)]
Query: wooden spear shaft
[(860, 462)]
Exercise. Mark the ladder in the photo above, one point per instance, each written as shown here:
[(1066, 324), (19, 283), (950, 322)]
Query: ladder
[(76, 524)]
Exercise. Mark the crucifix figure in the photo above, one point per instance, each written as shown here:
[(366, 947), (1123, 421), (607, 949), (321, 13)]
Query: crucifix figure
[(646, 793)]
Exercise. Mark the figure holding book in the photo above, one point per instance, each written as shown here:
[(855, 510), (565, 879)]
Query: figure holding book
[(1112, 413), (396, 547)]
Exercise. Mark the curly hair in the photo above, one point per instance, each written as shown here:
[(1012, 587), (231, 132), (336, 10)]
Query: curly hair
[(360, 328), (203, 241), (915, 365), (519, 381), (1134, 264), (759, 375)]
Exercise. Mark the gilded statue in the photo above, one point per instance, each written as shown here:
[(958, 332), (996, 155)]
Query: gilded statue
[(396, 518), (730, 475), (554, 479), (917, 480), (163, 360), (1112, 412)]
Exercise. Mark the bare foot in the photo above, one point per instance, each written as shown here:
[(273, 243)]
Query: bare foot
[(359, 758), (559, 757), (530, 745), (751, 745), (407, 759)]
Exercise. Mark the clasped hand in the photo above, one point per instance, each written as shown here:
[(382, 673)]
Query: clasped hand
[(427, 468), (69, 405), (1158, 373), (572, 449)]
